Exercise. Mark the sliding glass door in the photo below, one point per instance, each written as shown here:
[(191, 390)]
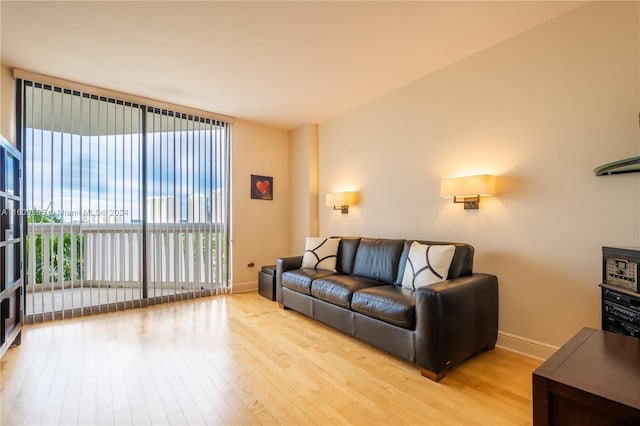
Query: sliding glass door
[(125, 204), (187, 173)]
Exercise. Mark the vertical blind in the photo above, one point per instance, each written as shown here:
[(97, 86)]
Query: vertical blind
[(187, 199), (126, 204)]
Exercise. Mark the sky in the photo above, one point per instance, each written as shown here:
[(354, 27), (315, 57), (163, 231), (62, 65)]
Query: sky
[(76, 176)]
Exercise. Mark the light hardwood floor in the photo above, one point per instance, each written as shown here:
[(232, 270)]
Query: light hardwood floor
[(239, 359)]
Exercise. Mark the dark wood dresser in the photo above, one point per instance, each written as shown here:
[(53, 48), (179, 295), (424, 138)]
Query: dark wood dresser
[(594, 379)]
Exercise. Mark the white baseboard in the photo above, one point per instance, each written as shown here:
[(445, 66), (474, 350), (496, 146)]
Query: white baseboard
[(244, 287), (525, 346)]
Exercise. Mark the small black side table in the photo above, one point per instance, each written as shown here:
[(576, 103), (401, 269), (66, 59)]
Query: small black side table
[(267, 282)]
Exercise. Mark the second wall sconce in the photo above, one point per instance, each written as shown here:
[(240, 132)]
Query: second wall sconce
[(468, 189), (342, 200)]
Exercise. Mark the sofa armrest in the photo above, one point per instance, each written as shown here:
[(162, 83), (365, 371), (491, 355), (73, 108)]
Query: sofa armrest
[(454, 320), (285, 264)]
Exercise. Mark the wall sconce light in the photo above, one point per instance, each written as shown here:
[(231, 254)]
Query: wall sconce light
[(342, 200), (468, 189)]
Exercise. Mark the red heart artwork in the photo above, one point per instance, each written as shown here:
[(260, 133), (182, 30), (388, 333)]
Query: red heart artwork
[(263, 186)]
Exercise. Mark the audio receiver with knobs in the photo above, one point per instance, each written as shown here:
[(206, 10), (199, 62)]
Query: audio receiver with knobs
[(620, 297)]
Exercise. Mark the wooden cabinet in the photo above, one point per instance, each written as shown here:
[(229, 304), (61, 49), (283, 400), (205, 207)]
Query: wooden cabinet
[(11, 246), (591, 380)]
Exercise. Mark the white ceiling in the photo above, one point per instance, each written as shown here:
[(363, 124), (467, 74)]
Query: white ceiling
[(280, 63)]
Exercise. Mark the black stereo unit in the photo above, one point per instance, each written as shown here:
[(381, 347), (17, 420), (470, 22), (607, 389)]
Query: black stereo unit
[(620, 313), (620, 297), (620, 267)]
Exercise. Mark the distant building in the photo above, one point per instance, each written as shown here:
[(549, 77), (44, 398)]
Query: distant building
[(197, 209), (161, 209)]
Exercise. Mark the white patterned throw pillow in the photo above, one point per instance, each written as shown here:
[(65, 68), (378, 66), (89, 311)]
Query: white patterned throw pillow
[(321, 253), (427, 264)]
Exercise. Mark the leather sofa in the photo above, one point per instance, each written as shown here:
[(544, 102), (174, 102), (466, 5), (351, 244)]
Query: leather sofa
[(435, 327)]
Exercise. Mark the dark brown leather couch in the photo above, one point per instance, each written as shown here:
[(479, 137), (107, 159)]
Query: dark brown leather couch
[(434, 327)]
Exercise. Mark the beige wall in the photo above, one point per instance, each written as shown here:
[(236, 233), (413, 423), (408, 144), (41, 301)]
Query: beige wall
[(260, 228), (7, 104), (540, 111), (304, 185)]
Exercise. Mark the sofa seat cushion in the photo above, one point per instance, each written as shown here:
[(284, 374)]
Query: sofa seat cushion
[(388, 303), (299, 280), (338, 289)]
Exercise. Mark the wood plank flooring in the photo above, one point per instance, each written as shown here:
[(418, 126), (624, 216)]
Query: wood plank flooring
[(239, 359)]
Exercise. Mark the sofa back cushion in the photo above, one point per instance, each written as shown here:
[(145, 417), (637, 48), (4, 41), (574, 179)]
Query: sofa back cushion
[(461, 264), (377, 259), (347, 254)]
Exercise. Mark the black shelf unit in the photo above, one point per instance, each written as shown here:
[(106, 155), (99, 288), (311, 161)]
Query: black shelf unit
[(11, 246)]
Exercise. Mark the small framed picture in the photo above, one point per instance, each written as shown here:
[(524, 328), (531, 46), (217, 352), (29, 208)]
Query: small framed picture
[(261, 187)]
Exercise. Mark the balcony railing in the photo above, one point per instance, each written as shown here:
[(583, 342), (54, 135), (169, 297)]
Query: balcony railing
[(98, 264)]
